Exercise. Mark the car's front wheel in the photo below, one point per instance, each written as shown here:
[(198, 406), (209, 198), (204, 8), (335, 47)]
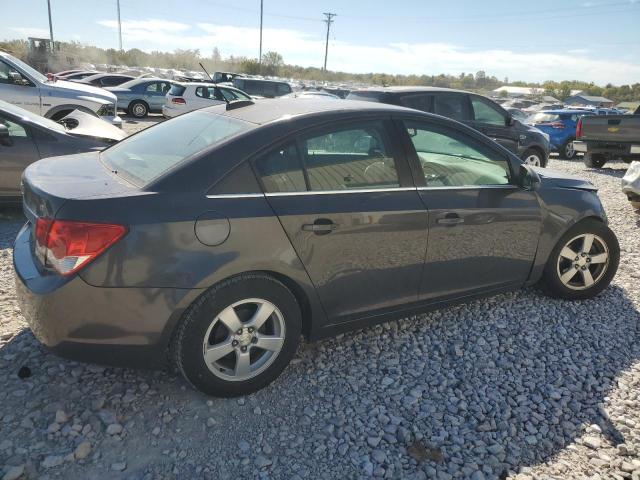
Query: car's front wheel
[(583, 262), (534, 158), (238, 336)]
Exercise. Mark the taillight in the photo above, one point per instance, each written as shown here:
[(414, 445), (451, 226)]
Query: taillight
[(65, 245), (178, 101), (579, 128)]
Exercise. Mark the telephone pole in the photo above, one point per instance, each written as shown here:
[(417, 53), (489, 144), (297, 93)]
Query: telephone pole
[(50, 24), (260, 54), (119, 26), (328, 21)]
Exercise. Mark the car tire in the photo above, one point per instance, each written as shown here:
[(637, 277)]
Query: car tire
[(204, 331), (566, 150), (586, 273), (138, 109), (594, 160), (533, 157)]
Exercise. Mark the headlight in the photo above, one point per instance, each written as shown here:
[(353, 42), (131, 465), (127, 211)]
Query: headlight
[(107, 110)]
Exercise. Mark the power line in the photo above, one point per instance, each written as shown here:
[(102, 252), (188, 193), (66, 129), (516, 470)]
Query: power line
[(329, 21)]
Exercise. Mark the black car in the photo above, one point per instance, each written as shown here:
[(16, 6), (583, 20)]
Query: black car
[(262, 88), (215, 239), (479, 112)]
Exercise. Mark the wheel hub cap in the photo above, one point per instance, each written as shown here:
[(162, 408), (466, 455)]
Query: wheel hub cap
[(583, 261), (244, 339)]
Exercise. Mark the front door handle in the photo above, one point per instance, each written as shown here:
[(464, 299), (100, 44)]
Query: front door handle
[(450, 219), (321, 226)]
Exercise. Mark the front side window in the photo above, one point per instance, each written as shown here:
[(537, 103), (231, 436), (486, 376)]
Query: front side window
[(452, 106), (15, 129), (283, 89), (150, 153), (10, 76), (451, 159), (348, 158), (281, 170), (483, 112)]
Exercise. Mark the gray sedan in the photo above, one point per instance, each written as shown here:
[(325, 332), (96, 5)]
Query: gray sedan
[(141, 96), (26, 137), (218, 238)]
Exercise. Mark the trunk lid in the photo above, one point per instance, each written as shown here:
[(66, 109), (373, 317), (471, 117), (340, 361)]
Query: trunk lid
[(611, 128)]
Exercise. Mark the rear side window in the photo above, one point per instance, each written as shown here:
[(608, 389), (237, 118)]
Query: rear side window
[(419, 102), (177, 90), (281, 170), (148, 154), (348, 158), (543, 118), (366, 96), (452, 106)]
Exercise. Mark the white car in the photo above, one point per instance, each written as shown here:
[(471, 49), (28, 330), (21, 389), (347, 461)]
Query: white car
[(186, 97), (25, 87)]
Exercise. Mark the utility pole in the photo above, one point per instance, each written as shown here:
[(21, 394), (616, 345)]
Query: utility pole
[(119, 26), (50, 24), (261, 14), (328, 21)]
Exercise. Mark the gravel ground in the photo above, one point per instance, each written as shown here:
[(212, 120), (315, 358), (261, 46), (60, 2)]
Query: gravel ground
[(516, 386)]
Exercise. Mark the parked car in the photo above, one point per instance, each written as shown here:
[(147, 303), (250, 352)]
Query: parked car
[(186, 97), (631, 184), (26, 137), (141, 96), (76, 75), (317, 94), (262, 88), (517, 114), (560, 125), (604, 137), (479, 112), (25, 87), (220, 236), (106, 79)]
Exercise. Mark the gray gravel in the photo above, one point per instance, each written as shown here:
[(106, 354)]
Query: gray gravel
[(514, 386)]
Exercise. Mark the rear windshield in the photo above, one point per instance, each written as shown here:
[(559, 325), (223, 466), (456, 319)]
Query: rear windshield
[(368, 96), (147, 155), (177, 90), (543, 118)]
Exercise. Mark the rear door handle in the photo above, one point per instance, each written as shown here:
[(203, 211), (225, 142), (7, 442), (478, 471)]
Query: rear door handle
[(321, 226), (450, 219)]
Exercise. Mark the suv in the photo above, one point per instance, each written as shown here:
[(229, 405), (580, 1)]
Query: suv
[(262, 88), (25, 87), (561, 127), (485, 115)]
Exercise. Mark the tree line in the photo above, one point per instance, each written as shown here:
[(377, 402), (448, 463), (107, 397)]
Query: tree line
[(69, 54)]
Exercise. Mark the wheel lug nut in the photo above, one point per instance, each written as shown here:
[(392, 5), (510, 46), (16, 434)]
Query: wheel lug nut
[(244, 349), (584, 268), (234, 343), (577, 258), (251, 329), (239, 332)]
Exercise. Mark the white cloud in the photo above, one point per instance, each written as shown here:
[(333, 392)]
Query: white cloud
[(307, 49), (31, 32)]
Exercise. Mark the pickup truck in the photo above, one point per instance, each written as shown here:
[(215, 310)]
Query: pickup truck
[(25, 87), (604, 137)]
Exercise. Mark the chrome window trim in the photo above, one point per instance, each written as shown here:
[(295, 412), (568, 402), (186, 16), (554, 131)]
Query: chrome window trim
[(237, 195), (467, 187), (331, 192)]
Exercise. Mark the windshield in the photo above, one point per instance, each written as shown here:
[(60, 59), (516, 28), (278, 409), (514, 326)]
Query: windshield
[(543, 118), (36, 75), (154, 151), (30, 117)]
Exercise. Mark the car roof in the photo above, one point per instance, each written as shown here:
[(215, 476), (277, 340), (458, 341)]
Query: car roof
[(267, 111), (560, 110), (407, 89)]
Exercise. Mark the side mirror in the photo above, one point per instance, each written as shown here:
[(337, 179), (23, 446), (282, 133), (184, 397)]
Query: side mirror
[(528, 178), (5, 140)]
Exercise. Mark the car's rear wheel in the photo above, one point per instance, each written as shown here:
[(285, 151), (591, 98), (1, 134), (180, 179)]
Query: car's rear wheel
[(594, 160), (239, 336), (534, 158), (138, 109), (567, 151), (584, 261)]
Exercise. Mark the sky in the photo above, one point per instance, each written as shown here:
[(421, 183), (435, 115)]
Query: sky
[(591, 40)]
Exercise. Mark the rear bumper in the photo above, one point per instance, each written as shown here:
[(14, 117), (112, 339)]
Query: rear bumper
[(608, 148), (115, 326)]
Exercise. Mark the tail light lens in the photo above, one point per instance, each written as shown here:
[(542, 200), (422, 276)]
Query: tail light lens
[(178, 101), (579, 128), (66, 245)]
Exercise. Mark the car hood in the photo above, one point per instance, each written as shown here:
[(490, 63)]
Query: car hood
[(87, 125), (89, 90), (557, 179)]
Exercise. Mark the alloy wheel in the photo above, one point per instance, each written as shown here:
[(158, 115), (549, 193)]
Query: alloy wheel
[(244, 339), (533, 160), (583, 261), (139, 110), (568, 150)]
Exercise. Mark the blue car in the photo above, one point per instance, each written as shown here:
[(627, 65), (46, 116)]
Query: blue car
[(141, 96), (560, 125)]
